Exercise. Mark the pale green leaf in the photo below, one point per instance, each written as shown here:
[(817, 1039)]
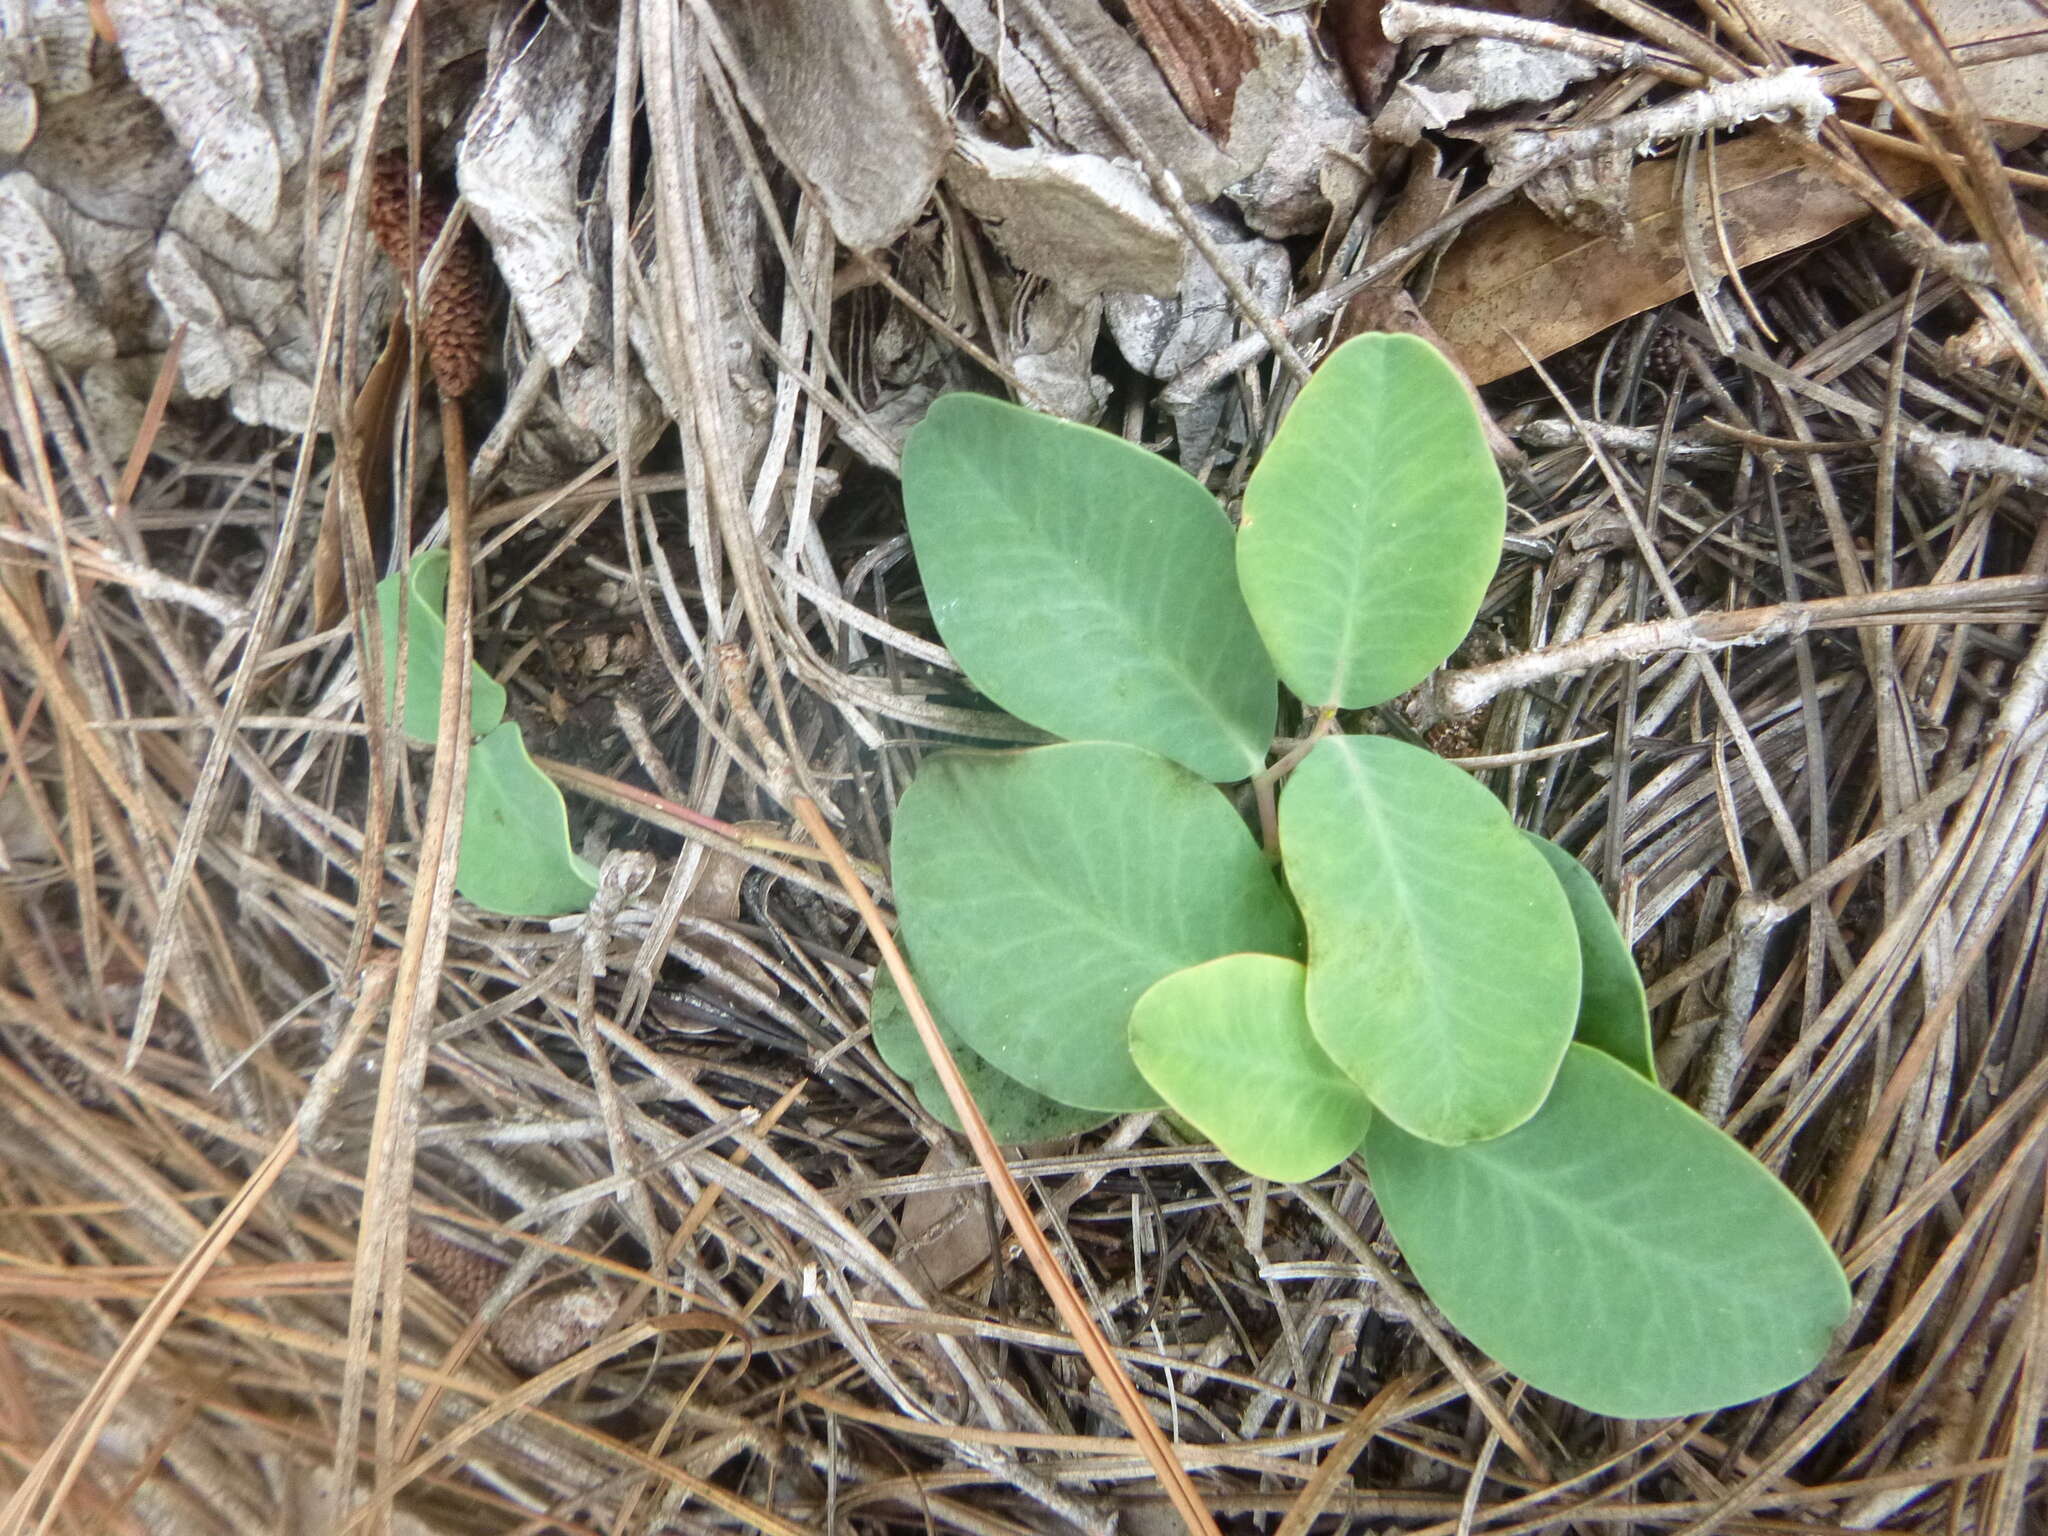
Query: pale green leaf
[(425, 634), (1617, 1251), (1372, 525), (1614, 1016), (1086, 585), (1227, 1044), (516, 858), (1443, 964), (1042, 891)]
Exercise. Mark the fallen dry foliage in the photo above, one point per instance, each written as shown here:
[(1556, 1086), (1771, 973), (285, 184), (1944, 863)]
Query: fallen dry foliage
[(329, 1203)]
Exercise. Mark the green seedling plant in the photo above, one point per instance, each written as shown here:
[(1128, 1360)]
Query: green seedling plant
[(515, 857), (1403, 973)]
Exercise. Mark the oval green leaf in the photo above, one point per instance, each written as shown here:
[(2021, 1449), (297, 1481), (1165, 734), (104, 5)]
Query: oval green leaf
[(515, 857), (1614, 1015), (1617, 1251), (1228, 1046), (1043, 890), (1372, 525), (426, 632), (1443, 965), (1086, 585), (1016, 1115)]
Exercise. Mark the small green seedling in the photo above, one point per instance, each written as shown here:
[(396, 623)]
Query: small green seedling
[(1429, 986), (515, 856)]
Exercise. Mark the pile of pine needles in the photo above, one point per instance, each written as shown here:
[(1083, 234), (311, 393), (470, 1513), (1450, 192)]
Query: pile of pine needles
[(308, 1171)]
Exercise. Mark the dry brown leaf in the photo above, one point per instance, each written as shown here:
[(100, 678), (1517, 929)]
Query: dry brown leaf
[(1426, 196), (1161, 336), (165, 192), (853, 97), (2014, 90), (1226, 99), (944, 1234), (1298, 134), (1516, 276), (1203, 50), (1362, 47), (374, 419)]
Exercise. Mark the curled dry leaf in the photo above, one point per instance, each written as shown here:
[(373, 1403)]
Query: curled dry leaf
[(853, 97), (1307, 157), (218, 71), (1055, 343), (45, 56), (40, 252), (1225, 98), (236, 291), (1160, 336), (1517, 277), (1362, 47), (523, 165), (1477, 74), (362, 480), (22, 70), (1203, 51), (1088, 224), (1262, 89), (1035, 85), (79, 212), (517, 166)]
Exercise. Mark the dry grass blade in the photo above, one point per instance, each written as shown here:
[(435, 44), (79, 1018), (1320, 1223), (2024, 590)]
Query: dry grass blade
[(387, 1192)]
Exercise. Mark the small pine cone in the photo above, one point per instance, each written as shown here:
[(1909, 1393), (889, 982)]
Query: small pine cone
[(389, 215), (539, 1331), (453, 319), (461, 1274), (454, 322)]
